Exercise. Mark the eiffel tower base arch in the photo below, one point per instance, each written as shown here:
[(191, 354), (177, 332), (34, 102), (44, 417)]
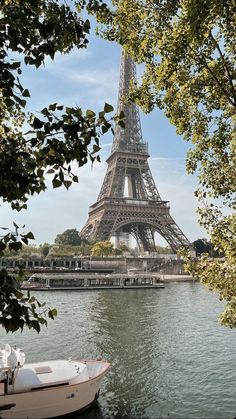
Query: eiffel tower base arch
[(140, 219)]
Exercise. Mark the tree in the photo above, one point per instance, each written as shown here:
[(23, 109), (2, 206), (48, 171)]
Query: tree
[(69, 237), (205, 246), (102, 248), (121, 249), (188, 48), (45, 249), (164, 250), (30, 31)]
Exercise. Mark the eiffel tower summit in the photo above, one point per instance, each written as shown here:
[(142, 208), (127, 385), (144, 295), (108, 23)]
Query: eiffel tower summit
[(129, 202)]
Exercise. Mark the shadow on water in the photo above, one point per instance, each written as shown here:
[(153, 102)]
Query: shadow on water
[(93, 411)]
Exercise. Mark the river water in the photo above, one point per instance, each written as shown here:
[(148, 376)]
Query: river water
[(169, 356)]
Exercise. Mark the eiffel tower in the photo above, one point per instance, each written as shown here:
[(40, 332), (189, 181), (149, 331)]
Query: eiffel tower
[(129, 202)]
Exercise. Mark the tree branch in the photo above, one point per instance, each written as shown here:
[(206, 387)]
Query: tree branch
[(202, 56), (226, 66)]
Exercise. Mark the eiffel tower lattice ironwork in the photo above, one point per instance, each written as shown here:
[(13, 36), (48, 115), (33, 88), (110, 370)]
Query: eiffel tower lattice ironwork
[(129, 202)]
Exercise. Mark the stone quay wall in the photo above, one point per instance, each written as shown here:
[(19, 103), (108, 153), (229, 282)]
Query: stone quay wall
[(119, 264)]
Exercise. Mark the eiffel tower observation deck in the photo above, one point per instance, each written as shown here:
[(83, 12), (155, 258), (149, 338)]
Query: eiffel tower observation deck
[(129, 202)]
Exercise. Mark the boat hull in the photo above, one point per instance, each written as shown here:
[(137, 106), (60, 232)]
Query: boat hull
[(50, 403)]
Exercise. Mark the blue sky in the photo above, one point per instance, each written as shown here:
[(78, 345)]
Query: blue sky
[(89, 78)]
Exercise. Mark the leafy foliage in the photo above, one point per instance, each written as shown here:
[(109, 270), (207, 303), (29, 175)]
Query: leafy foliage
[(18, 310), (106, 248), (69, 237), (219, 274), (102, 248), (188, 48), (33, 147), (205, 246), (121, 249), (45, 249), (58, 135)]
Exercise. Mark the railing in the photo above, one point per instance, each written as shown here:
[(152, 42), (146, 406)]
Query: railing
[(129, 201), (133, 148)]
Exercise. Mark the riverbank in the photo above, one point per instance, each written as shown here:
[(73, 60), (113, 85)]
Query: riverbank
[(177, 278), (93, 287)]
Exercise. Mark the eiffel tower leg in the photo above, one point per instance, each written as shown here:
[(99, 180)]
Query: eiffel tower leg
[(144, 236), (117, 239), (172, 233), (135, 233)]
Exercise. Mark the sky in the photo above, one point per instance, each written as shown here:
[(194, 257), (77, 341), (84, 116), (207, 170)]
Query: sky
[(89, 78)]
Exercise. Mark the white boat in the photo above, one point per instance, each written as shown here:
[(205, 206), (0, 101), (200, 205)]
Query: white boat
[(49, 389)]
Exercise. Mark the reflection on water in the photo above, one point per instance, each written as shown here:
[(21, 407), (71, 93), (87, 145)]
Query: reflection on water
[(169, 357)]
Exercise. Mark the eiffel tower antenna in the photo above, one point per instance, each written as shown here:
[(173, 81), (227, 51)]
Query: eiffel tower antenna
[(129, 202)]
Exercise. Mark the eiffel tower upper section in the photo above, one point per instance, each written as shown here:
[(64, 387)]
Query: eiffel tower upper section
[(129, 202), (130, 137), (129, 141)]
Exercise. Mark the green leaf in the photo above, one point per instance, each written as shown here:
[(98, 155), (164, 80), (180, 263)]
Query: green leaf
[(121, 124), (37, 124), (56, 183), (86, 26), (67, 183), (44, 111), (26, 93), (52, 313), (96, 148), (35, 324), (69, 110), (15, 246), (90, 114), (52, 107), (19, 294), (108, 108), (105, 128), (2, 246), (9, 102), (42, 321), (30, 235)]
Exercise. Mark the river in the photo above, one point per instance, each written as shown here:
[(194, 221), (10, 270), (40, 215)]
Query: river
[(169, 356)]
